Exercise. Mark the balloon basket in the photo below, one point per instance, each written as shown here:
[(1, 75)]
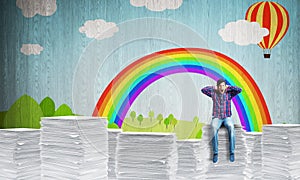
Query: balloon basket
[(267, 56)]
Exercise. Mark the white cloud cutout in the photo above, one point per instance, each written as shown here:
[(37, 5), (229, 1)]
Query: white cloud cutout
[(29, 49), (32, 7), (99, 29), (157, 5), (243, 32)]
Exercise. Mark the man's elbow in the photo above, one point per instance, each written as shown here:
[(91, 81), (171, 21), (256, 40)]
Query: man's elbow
[(204, 91)]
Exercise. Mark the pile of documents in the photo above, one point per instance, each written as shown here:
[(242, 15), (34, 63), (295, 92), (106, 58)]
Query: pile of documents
[(146, 156), (74, 147), (112, 148), (20, 153), (281, 151), (223, 169), (254, 155), (189, 160)]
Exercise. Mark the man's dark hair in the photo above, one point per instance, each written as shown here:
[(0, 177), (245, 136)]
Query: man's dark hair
[(220, 81)]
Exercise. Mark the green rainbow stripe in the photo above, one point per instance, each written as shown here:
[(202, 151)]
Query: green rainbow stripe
[(121, 92)]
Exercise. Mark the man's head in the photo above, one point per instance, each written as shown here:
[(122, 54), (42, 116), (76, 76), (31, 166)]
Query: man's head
[(221, 86)]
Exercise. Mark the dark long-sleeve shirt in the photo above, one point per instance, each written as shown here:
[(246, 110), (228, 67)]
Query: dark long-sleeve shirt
[(221, 102)]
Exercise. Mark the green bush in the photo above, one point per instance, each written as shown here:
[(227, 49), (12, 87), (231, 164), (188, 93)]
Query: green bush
[(113, 126), (63, 110), (24, 113), (2, 116), (48, 107), (199, 134)]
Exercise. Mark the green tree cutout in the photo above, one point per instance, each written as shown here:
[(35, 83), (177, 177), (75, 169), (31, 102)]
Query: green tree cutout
[(151, 115), (167, 122), (171, 119), (160, 118), (174, 122), (140, 118), (132, 115), (48, 107)]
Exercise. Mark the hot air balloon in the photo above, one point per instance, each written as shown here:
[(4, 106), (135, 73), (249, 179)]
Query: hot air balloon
[(272, 16)]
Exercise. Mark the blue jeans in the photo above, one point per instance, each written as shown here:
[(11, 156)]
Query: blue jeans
[(216, 123)]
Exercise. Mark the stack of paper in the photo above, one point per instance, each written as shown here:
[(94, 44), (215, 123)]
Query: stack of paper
[(281, 151), (20, 154), (112, 148), (146, 156), (74, 147), (189, 160), (223, 169), (254, 155)]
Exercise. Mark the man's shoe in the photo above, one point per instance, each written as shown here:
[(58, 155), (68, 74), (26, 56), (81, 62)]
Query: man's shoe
[(215, 158), (231, 157)]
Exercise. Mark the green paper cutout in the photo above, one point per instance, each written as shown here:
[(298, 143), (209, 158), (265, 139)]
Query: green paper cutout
[(2, 116), (48, 107), (63, 110), (24, 113), (113, 126)]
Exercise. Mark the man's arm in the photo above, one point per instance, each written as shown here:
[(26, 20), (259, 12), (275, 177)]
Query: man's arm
[(207, 90), (233, 90)]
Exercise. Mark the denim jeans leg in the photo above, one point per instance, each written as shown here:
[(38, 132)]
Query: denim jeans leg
[(229, 124), (215, 126)]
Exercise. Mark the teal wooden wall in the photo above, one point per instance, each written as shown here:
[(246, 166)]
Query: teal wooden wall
[(62, 70)]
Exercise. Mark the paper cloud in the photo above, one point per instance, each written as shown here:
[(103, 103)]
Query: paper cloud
[(29, 49), (99, 29), (32, 7), (157, 5), (243, 32)]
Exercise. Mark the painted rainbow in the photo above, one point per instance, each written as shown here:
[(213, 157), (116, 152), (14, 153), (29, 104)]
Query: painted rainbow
[(122, 91)]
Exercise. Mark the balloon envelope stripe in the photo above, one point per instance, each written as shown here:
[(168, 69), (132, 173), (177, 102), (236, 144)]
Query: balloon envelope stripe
[(266, 23), (282, 26), (255, 11), (260, 20), (274, 17)]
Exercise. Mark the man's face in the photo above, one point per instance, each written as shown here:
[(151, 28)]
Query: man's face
[(221, 87)]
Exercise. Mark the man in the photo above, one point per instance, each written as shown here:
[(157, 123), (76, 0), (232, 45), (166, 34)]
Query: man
[(221, 96)]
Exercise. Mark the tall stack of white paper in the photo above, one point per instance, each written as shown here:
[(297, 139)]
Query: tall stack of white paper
[(281, 151), (223, 169), (20, 154), (112, 149), (205, 150), (74, 147), (146, 156), (189, 160), (254, 155)]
